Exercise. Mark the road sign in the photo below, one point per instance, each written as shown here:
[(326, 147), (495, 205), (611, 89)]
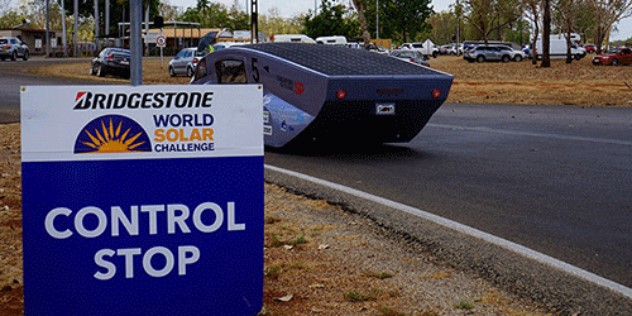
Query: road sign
[(151, 37), (142, 200), (161, 41)]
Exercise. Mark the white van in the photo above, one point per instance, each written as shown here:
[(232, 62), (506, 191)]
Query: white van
[(557, 46), (332, 40), (291, 38)]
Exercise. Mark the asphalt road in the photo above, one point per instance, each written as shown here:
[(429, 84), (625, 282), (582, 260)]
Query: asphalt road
[(555, 179)]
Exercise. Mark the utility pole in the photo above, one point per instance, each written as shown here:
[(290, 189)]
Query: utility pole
[(136, 44), (96, 25), (254, 21), (107, 20), (75, 35), (63, 29), (377, 19), (47, 28)]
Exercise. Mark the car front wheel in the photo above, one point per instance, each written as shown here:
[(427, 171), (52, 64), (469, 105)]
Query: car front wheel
[(25, 57), (172, 72), (518, 58), (505, 59), (615, 62), (480, 59), (100, 72), (189, 72), (14, 56)]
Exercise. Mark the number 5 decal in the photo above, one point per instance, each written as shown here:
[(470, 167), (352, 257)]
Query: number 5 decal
[(255, 70)]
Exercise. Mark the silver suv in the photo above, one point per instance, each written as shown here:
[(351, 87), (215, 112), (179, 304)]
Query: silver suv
[(487, 53), (13, 47)]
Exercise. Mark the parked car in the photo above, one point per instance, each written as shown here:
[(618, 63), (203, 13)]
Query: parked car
[(185, 61), (516, 55), (618, 56), (111, 61), (590, 48), (410, 55), (13, 47), (448, 49), (487, 53)]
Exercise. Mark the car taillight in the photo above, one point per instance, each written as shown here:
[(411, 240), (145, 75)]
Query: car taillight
[(110, 58), (195, 60), (436, 93), (341, 94)]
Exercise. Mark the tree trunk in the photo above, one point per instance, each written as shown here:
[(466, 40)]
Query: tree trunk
[(546, 34), (569, 58), (534, 51), (360, 7)]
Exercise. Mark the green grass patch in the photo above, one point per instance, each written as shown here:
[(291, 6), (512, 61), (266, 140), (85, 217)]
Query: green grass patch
[(354, 296)]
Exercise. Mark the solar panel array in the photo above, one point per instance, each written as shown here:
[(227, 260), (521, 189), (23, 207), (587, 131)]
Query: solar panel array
[(340, 61)]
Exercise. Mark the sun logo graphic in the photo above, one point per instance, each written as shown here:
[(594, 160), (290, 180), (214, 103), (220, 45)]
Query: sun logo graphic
[(112, 134)]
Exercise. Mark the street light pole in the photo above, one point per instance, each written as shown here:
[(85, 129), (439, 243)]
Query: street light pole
[(63, 29), (75, 35), (136, 45), (377, 19), (47, 28)]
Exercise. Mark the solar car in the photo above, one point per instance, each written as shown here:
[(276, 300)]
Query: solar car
[(327, 93)]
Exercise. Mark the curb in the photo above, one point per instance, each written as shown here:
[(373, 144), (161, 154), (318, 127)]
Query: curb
[(558, 286)]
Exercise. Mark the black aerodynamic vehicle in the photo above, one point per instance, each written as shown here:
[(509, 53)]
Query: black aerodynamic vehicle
[(111, 61)]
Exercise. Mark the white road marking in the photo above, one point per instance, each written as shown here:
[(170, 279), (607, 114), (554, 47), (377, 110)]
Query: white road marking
[(545, 135), (470, 231)]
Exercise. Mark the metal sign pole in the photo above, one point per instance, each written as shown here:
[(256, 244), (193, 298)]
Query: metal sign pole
[(136, 45), (161, 59)]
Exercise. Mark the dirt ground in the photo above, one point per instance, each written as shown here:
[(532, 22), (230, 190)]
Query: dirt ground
[(318, 260), (578, 83)]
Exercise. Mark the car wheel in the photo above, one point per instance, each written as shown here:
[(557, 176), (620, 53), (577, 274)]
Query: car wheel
[(615, 62), (189, 72), (172, 72), (578, 57), (434, 55), (91, 70), (480, 59), (14, 56), (518, 58), (100, 72), (25, 57), (505, 59)]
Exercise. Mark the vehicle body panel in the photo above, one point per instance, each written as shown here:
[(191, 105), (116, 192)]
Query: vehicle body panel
[(13, 48), (331, 93)]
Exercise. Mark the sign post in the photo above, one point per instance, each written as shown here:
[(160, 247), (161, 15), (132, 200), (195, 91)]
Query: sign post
[(161, 41), (142, 200)]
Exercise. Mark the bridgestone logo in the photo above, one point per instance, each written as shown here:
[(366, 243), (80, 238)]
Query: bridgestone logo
[(148, 100)]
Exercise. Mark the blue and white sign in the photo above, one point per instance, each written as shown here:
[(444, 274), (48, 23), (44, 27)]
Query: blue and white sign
[(142, 200)]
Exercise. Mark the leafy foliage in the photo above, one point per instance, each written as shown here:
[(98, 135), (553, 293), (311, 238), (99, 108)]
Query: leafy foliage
[(331, 20)]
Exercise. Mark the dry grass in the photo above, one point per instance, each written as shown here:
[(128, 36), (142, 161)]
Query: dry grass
[(579, 83)]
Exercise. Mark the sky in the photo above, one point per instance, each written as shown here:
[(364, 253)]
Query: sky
[(289, 8)]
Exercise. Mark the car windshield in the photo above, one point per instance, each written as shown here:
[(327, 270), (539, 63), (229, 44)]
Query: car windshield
[(405, 54), (3, 41)]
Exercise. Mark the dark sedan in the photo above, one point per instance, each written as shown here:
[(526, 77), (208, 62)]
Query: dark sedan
[(111, 61)]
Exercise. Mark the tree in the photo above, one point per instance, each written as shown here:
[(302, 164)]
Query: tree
[(360, 7), (237, 19), (607, 14), (10, 19), (207, 14), (487, 16), (331, 20), (546, 34), (444, 25), (407, 17), (272, 23), (566, 22)]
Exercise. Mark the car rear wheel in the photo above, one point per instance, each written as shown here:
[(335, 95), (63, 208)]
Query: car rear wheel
[(172, 72), (25, 57), (518, 58), (14, 56), (189, 72), (505, 59), (480, 59), (615, 62)]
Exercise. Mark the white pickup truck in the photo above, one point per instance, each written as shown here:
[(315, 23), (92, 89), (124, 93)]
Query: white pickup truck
[(427, 48)]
